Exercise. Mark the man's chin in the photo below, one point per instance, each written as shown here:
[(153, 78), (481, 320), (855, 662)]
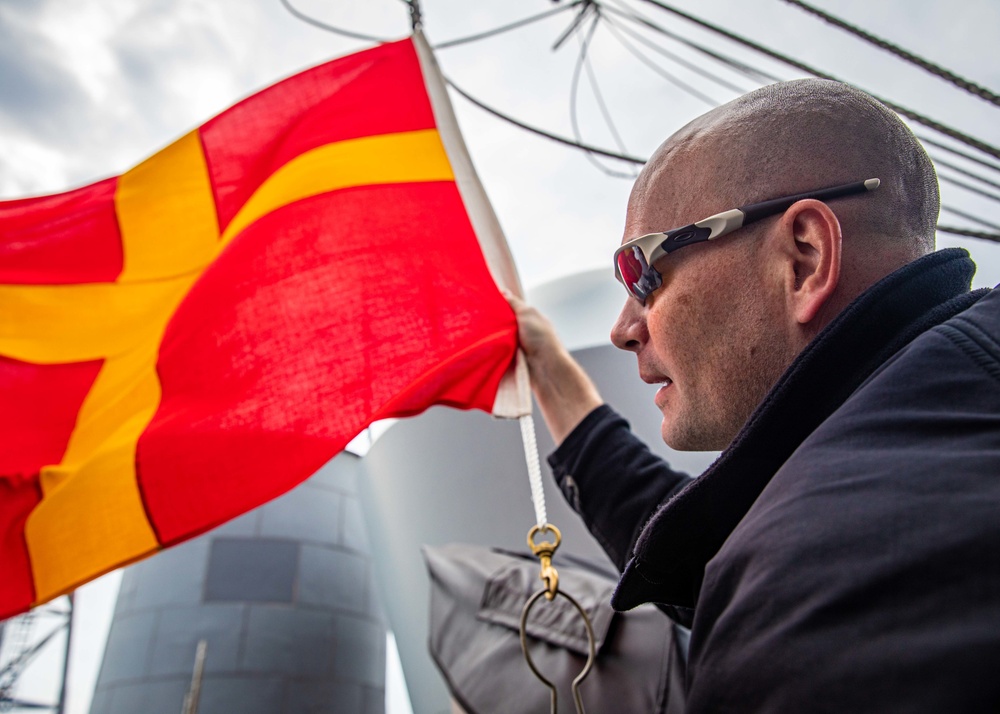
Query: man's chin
[(675, 438), (681, 436)]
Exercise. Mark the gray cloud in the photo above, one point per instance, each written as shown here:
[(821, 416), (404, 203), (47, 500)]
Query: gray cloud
[(37, 90)]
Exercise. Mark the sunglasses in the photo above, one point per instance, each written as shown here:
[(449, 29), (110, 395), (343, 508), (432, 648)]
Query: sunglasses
[(634, 260)]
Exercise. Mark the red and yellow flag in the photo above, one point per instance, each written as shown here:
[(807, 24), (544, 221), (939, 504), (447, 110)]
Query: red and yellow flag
[(184, 342)]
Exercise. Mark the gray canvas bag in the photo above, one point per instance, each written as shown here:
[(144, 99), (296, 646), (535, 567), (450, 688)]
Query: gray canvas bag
[(477, 595)]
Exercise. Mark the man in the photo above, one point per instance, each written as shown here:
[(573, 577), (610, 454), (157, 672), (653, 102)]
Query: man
[(843, 553)]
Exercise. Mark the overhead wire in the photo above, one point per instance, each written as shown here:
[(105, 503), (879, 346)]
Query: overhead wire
[(542, 132), (756, 74), (582, 63), (936, 70), (958, 152), (935, 147), (679, 83), (614, 27), (904, 111), (969, 187), (331, 28), (506, 28), (969, 217), (965, 172), (596, 88), (575, 25), (969, 233)]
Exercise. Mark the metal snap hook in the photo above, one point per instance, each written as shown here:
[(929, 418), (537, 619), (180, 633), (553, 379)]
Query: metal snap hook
[(545, 550), (578, 701)]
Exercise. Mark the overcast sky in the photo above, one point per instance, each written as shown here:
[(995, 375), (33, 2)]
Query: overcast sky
[(88, 88)]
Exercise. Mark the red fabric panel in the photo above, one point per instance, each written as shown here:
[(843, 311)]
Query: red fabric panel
[(327, 314), (39, 404), (38, 409), (19, 497), (378, 91), (66, 238)]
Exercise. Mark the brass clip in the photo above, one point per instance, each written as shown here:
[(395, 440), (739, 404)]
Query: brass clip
[(591, 656), (545, 550)]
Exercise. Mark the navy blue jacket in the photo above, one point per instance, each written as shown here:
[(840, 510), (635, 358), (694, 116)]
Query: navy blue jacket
[(843, 554)]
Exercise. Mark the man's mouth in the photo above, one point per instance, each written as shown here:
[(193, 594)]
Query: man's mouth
[(660, 397), (649, 378)]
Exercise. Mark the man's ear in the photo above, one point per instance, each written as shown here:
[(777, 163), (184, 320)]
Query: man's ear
[(812, 246)]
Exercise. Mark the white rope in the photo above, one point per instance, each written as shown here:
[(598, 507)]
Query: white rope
[(534, 468)]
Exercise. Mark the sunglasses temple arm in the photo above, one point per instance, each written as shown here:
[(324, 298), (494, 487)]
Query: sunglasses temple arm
[(722, 223), (757, 211)]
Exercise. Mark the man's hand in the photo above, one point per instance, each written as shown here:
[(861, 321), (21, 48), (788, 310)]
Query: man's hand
[(564, 392)]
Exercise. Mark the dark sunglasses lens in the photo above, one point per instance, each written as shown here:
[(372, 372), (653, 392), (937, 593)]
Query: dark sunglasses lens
[(632, 266)]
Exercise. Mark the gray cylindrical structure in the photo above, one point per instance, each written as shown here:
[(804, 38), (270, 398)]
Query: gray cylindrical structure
[(449, 476), (284, 598)]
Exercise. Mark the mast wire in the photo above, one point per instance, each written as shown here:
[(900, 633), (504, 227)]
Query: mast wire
[(965, 172), (958, 152), (541, 132), (936, 70), (677, 59), (680, 84), (969, 187), (574, 25), (330, 28), (992, 237), (736, 65), (582, 63), (592, 77), (970, 217), (903, 111), (506, 28)]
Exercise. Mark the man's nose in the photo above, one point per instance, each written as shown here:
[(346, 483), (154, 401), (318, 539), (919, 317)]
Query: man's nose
[(629, 331)]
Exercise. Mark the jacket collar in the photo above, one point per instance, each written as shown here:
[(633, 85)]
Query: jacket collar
[(687, 530)]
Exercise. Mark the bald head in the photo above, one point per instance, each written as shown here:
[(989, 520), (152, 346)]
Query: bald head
[(791, 137)]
